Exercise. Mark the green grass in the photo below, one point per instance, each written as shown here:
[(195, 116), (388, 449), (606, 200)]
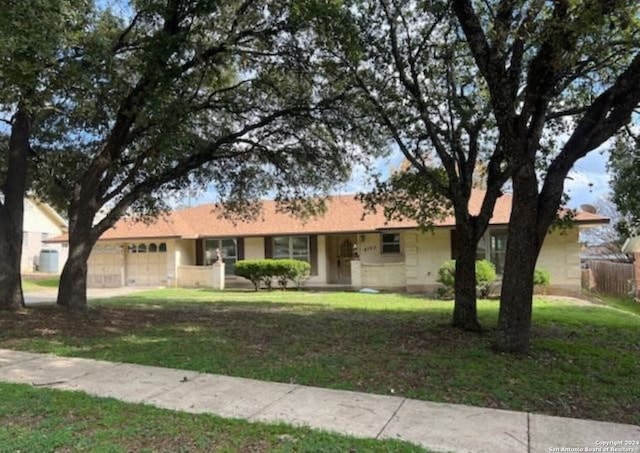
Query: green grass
[(583, 363), (40, 284), (627, 304), (43, 420)]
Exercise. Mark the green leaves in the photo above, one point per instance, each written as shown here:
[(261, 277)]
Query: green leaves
[(624, 164)]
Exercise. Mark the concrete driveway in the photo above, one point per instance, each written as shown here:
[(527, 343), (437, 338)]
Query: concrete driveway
[(49, 296)]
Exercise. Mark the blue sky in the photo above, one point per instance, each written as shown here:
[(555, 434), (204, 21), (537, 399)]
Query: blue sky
[(588, 181)]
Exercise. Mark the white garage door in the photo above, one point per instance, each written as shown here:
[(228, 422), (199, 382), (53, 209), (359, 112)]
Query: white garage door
[(147, 264), (105, 266)]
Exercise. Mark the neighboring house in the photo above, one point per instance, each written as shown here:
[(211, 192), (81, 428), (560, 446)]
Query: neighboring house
[(603, 252), (179, 248), (42, 222)]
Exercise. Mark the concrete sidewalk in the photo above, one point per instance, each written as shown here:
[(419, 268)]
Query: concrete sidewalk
[(440, 427)]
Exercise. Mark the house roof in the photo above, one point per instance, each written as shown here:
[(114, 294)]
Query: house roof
[(51, 213), (344, 214)]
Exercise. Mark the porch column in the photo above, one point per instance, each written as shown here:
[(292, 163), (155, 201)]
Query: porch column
[(218, 275), (356, 273)]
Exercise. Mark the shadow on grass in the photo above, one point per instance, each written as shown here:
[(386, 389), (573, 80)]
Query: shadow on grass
[(404, 352)]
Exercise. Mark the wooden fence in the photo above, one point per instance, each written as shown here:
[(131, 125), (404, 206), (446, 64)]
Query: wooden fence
[(608, 277)]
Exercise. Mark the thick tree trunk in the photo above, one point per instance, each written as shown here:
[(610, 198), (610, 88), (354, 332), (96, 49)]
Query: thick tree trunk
[(12, 212), (11, 297), (72, 292), (523, 247), (465, 314)]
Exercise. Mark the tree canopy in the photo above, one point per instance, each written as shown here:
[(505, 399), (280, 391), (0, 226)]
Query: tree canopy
[(522, 89), (38, 38), (624, 165), (177, 93)]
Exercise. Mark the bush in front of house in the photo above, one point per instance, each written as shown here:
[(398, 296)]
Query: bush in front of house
[(447, 278), (485, 276), (541, 278), (252, 270), (295, 271), (264, 272)]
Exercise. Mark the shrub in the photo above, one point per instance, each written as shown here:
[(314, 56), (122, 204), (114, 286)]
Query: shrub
[(291, 270), (252, 270), (263, 272), (485, 276), (541, 278), (447, 277)]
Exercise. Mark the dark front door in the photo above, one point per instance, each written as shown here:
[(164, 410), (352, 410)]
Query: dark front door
[(340, 252)]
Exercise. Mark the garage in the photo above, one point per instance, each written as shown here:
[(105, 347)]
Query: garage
[(106, 266), (146, 264)]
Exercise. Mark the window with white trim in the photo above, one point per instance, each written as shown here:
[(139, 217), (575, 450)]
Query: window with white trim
[(498, 249), (390, 242), (293, 247), (228, 251)]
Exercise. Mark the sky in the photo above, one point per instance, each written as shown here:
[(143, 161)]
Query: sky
[(588, 182), (589, 179)]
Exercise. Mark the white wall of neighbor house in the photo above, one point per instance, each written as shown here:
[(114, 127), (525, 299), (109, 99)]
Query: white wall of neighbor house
[(37, 227), (560, 255)]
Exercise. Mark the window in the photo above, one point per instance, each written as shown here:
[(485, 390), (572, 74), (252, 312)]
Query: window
[(132, 248), (162, 248), (142, 248), (391, 243), (228, 250), (294, 247), (498, 249), (153, 248), (481, 251)]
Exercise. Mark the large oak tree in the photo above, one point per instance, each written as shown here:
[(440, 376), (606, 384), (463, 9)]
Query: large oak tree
[(38, 40), (563, 77), (182, 92), (417, 82)]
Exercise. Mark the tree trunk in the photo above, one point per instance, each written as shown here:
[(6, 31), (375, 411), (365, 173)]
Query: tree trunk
[(12, 212), (11, 297), (72, 292), (465, 314), (523, 247)]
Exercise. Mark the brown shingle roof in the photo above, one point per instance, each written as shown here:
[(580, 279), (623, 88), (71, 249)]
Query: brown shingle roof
[(344, 214)]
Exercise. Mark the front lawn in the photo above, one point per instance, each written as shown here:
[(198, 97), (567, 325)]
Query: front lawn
[(620, 302), (42, 420), (32, 284), (584, 361)]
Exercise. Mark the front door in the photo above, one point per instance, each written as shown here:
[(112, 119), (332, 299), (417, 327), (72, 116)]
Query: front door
[(340, 255)]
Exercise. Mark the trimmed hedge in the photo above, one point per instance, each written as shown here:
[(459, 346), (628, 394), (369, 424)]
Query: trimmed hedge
[(264, 272), (541, 277), (485, 276)]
